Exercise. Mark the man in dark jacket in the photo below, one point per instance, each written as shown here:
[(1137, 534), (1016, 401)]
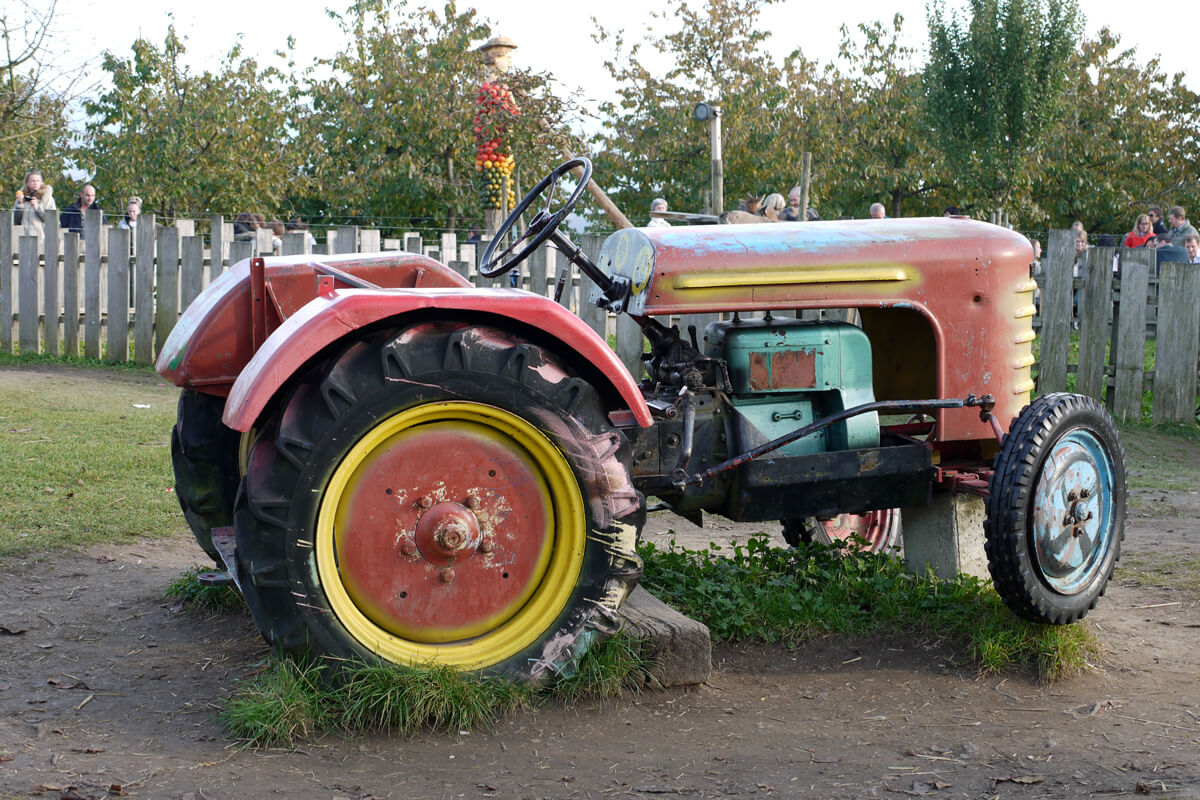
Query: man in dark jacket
[(71, 218)]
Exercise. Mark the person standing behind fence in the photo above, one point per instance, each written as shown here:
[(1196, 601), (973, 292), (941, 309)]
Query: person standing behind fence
[(1180, 228), (877, 211), (658, 204), (133, 210), (71, 218), (34, 200), (1191, 243), (1156, 220), (792, 212), (297, 225), (1143, 231)]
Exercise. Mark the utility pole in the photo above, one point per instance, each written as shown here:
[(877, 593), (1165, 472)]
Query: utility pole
[(711, 113)]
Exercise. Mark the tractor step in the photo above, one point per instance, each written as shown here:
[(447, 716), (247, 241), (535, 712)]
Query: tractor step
[(215, 579), (225, 542)]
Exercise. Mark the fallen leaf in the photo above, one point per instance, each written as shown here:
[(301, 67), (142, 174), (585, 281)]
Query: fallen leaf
[(1025, 779), (89, 750), (103, 559), (12, 631), (61, 684)]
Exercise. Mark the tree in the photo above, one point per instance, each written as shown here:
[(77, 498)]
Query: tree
[(33, 119), (992, 84), (189, 144), (1127, 136), (882, 150), (390, 137)]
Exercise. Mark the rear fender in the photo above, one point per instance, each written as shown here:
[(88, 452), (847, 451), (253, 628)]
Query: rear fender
[(327, 319)]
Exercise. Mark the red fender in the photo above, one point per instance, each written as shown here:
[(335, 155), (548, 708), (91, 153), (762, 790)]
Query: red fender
[(326, 319)]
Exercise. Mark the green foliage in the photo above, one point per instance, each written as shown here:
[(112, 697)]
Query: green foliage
[(992, 84), (773, 594), (200, 599), (186, 143), (292, 701), (390, 135)]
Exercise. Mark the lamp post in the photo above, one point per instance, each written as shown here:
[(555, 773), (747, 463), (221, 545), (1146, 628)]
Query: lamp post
[(711, 113)]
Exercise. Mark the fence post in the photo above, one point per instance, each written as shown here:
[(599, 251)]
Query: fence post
[(143, 291), (1178, 335), (70, 293), (6, 279), (370, 240), (593, 315), (1095, 317), (412, 242), (50, 288), (191, 277), (240, 250), (27, 298), (448, 246), (166, 305), (91, 282), (295, 244), (118, 294), (1130, 333), (220, 243), (537, 269), (346, 240), (1056, 313)]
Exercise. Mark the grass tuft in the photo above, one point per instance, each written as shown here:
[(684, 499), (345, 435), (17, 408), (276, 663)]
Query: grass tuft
[(200, 599), (788, 595), (296, 700)]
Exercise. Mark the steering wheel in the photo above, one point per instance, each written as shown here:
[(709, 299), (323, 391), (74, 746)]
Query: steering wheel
[(543, 224)]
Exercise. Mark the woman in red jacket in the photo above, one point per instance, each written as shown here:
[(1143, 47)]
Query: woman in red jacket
[(1142, 232)]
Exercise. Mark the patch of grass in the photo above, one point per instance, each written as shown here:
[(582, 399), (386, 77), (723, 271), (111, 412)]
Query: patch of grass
[(296, 700), (774, 594), (200, 599), (86, 458), (1162, 457), (1174, 571)]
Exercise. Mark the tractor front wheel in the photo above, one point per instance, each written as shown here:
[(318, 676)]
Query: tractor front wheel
[(1056, 512), (443, 494)]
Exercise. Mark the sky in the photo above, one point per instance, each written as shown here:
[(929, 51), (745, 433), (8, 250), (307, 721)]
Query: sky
[(558, 41)]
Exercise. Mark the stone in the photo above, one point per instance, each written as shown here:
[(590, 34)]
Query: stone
[(946, 536), (678, 647)]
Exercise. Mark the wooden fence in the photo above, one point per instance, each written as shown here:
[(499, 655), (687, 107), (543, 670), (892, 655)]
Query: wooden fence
[(102, 302)]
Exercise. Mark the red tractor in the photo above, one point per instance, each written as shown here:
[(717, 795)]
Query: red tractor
[(396, 466)]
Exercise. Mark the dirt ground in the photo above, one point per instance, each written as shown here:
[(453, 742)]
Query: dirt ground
[(107, 689)]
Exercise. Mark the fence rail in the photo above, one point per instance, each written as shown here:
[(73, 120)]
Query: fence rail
[(115, 296)]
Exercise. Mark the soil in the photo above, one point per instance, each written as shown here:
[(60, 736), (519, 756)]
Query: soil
[(107, 689)]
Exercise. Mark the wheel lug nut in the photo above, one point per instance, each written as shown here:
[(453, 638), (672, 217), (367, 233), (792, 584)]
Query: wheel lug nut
[(1084, 493), (1071, 495), (472, 502), (447, 575), (408, 549), (486, 545), (1068, 520), (425, 502)]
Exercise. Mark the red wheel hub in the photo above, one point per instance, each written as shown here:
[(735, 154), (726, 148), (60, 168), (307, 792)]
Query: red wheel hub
[(443, 531)]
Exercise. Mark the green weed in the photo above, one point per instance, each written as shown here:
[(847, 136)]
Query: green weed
[(1170, 570), (771, 594), (200, 599)]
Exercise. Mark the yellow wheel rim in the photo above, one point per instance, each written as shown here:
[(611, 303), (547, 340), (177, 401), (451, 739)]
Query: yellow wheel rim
[(385, 575)]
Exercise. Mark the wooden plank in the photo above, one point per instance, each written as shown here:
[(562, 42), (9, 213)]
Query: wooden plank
[(185, 227), (91, 281), (629, 345), (1178, 343), (466, 252), (347, 239), (240, 250), (117, 341), (1095, 318), (220, 247), (166, 299), (412, 242), (27, 295), (462, 268), (50, 288), (143, 291), (295, 243), (1057, 302), (1130, 333), (595, 317), (191, 272), (263, 238), (537, 270), (70, 294), (369, 240), (449, 246), (6, 280)]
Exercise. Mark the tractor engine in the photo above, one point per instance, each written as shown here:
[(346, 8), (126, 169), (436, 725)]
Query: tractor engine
[(755, 381)]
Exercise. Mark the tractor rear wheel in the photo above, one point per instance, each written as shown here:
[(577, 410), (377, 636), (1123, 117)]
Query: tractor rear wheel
[(204, 455), (872, 532), (443, 494)]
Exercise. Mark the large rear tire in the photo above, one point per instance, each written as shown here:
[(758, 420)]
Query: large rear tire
[(443, 494), (1056, 511), (204, 455)]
